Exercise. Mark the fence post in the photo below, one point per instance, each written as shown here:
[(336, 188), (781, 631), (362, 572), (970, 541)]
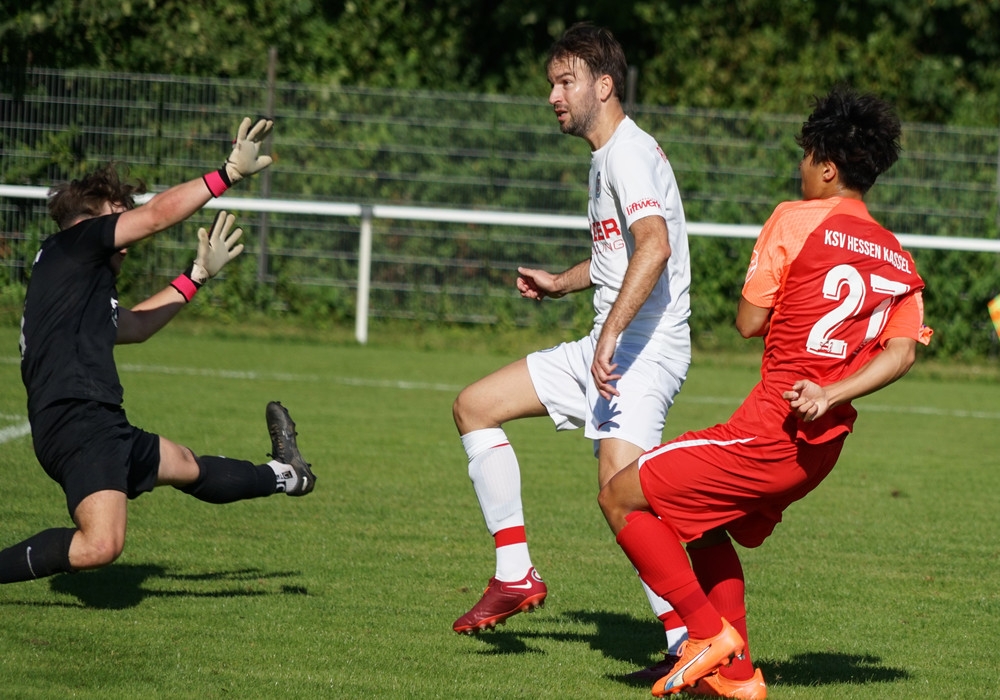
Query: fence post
[(364, 274), (265, 183), (631, 81)]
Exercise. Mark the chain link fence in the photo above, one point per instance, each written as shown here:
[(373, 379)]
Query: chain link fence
[(468, 151)]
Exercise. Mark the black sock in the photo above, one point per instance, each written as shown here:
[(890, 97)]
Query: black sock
[(224, 480), (44, 554)]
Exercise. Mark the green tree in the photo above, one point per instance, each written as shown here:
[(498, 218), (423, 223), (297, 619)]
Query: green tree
[(937, 60)]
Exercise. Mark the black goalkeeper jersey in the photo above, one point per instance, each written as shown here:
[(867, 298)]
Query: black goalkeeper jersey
[(70, 318)]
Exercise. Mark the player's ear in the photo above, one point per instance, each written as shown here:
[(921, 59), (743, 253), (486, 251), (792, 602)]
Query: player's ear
[(830, 172), (605, 87)]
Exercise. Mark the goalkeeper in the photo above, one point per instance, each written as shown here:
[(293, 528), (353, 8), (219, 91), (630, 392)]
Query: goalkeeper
[(71, 322)]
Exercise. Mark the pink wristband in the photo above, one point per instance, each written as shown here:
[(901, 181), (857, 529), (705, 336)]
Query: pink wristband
[(216, 183), (186, 286)]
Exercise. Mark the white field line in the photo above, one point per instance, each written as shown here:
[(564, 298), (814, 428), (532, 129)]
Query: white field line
[(21, 428), (288, 377), (13, 432)]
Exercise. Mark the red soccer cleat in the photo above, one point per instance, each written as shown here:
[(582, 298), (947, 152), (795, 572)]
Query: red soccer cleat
[(500, 600)]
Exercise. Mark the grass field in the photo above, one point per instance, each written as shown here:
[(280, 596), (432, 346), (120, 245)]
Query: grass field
[(885, 583)]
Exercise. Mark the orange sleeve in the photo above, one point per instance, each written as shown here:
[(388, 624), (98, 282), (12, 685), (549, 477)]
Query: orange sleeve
[(780, 241), (907, 321)]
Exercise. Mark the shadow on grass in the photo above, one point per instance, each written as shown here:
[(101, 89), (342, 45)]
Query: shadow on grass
[(616, 637), (118, 587), (830, 668), (622, 637), (625, 638)]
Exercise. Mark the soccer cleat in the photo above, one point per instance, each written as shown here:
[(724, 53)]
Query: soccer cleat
[(715, 685), (500, 600), (699, 658), (283, 448), (654, 672)]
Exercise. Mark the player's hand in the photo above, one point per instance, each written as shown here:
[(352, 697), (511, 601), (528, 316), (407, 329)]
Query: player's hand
[(808, 400), (217, 249), (245, 158), (602, 369), (536, 284)]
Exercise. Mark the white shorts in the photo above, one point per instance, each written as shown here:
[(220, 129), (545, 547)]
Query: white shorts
[(562, 380)]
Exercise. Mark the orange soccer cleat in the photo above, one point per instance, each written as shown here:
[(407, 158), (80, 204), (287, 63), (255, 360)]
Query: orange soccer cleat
[(715, 685), (699, 658)]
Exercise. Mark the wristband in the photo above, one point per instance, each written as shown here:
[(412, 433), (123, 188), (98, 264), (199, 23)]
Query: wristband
[(217, 181), (186, 286)]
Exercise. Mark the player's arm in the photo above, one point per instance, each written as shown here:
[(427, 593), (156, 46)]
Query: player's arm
[(538, 284), (652, 251), (139, 323), (181, 201), (752, 320), (810, 401), (780, 240)]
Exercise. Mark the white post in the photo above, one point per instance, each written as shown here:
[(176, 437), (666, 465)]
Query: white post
[(364, 275)]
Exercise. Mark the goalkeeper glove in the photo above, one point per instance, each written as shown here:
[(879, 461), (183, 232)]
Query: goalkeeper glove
[(215, 250), (245, 158)]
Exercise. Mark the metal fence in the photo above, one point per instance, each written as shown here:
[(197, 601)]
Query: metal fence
[(468, 151)]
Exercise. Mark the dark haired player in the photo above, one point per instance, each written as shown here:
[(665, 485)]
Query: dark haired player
[(619, 381), (839, 305), (71, 323)]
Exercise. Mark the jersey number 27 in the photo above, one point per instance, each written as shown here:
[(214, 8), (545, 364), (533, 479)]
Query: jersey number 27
[(845, 284)]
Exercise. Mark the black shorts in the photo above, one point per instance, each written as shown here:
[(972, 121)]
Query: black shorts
[(88, 446)]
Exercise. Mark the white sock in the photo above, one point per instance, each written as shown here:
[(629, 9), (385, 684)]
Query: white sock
[(286, 476), (513, 562), (496, 478), (674, 638), (675, 635)]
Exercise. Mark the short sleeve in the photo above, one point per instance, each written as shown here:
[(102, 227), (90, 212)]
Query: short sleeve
[(779, 243), (908, 321)]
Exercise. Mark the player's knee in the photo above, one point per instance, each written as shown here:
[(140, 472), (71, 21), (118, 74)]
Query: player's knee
[(611, 507), (457, 408), (98, 551), (463, 410)]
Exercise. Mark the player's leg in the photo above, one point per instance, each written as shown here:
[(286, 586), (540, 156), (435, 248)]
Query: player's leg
[(479, 411), (84, 447), (226, 480), (631, 423), (717, 565), (501, 396), (654, 548), (97, 540), (43, 554), (614, 454), (100, 537), (773, 475)]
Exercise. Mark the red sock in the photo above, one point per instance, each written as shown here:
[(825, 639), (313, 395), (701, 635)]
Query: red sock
[(720, 573), (656, 552), (671, 620), (510, 535)]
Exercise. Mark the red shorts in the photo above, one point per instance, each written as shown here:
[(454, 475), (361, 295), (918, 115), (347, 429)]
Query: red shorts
[(726, 477)]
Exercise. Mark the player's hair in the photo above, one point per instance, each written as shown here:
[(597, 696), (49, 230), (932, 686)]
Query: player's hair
[(597, 48), (88, 195), (859, 133)]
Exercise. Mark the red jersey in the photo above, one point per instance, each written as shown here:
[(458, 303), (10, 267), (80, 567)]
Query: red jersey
[(839, 286)]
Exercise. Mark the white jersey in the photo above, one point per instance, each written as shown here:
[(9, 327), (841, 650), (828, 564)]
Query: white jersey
[(630, 179)]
